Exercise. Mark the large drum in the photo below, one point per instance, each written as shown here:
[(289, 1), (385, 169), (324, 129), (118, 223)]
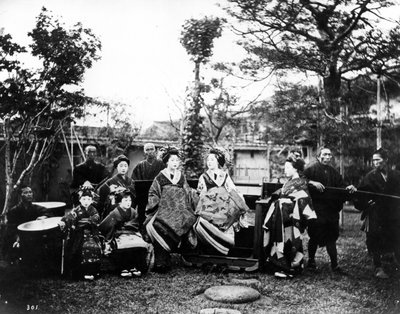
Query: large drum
[(41, 246), (56, 208)]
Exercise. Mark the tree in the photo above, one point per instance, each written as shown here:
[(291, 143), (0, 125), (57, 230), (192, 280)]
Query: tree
[(223, 107), (121, 128), (36, 105), (197, 38), (335, 39)]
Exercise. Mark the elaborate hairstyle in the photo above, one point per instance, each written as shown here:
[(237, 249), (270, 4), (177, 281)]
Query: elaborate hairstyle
[(297, 162), (168, 152), (86, 189), (120, 194), (219, 155), (119, 159), (381, 152)]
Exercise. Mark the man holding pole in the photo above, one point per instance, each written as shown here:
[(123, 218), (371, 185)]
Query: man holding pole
[(324, 231), (381, 215)]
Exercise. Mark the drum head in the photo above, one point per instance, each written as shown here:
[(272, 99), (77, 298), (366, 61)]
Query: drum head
[(40, 225)]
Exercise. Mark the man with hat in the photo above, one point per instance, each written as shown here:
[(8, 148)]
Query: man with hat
[(113, 185), (90, 170)]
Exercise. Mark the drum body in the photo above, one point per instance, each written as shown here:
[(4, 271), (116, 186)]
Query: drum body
[(41, 246)]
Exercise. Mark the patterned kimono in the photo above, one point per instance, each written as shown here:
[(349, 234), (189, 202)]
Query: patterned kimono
[(220, 210), (170, 211), (82, 248), (284, 223), (121, 230), (105, 191)]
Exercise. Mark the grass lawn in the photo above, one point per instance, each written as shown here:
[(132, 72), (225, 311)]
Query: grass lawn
[(181, 290)]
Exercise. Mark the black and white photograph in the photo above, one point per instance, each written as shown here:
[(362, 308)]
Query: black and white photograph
[(199, 156)]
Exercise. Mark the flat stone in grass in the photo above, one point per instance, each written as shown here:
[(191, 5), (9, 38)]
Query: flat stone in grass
[(219, 311), (232, 294), (250, 282)]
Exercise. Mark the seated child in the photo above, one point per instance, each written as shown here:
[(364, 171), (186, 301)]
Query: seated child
[(129, 252), (82, 243)]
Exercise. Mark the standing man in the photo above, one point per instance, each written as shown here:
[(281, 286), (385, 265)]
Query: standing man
[(150, 167), (90, 170), (147, 169), (324, 231), (381, 215)]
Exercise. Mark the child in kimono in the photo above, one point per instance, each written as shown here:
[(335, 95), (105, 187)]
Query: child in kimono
[(130, 253), (82, 250)]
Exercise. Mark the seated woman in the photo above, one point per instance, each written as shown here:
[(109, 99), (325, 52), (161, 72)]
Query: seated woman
[(130, 253), (220, 208), (82, 247), (109, 188), (289, 210), (170, 211)]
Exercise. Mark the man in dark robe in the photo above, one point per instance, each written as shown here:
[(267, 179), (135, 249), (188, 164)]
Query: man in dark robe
[(23, 212), (147, 169), (90, 170), (381, 215), (324, 231)]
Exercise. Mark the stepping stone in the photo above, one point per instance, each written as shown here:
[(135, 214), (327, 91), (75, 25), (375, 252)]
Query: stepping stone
[(219, 311), (251, 282), (232, 294)]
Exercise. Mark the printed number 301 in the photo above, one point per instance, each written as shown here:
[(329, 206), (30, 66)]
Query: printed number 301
[(32, 307)]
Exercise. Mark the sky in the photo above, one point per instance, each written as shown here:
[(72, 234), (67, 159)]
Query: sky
[(143, 63)]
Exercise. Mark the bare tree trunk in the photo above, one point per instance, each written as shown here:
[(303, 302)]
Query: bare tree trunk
[(8, 172)]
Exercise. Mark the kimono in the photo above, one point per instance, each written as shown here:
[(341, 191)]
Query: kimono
[(287, 217), (220, 211), (381, 218), (82, 244), (170, 214), (121, 231), (107, 189), (325, 228), (145, 171)]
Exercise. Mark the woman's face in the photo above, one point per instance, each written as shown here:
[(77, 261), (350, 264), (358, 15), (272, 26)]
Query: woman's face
[(212, 162), (126, 202), (122, 167), (173, 162), (86, 201), (290, 171)]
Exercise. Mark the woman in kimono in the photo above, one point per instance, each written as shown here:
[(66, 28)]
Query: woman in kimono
[(221, 208), (289, 210), (170, 211), (82, 249), (109, 188), (123, 241)]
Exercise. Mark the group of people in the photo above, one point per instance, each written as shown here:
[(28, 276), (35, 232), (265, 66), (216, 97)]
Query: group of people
[(106, 220), (305, 202), (138, 233)]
